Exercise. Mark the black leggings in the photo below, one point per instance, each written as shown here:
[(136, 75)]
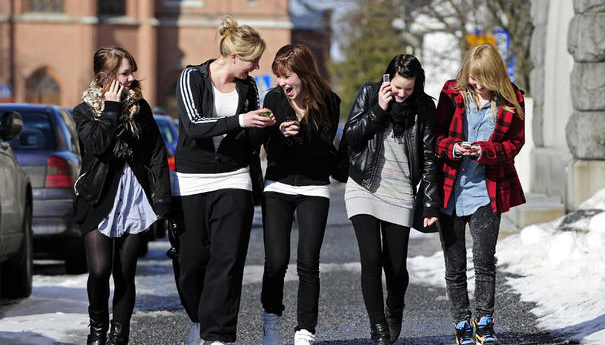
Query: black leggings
[(311, 216), (107, 256), (391, 255)]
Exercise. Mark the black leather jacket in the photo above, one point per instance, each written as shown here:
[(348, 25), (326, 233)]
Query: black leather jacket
[(363, 139), (97, 137)]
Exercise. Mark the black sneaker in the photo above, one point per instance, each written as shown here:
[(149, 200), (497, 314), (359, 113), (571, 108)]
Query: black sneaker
[(464, 333), (484, 331)]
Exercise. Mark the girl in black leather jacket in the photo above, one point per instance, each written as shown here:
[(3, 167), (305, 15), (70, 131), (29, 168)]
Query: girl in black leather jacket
[(122, 189), (390, 146)]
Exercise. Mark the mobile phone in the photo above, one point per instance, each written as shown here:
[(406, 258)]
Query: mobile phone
[(465, 144), (386, 78), (267, 113)]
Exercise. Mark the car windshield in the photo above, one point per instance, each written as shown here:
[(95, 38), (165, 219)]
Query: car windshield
[(37, 133)]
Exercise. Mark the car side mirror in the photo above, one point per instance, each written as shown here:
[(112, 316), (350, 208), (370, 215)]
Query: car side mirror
[(11, 125)]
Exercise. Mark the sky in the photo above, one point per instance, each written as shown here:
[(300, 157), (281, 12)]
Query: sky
[(557, 265)]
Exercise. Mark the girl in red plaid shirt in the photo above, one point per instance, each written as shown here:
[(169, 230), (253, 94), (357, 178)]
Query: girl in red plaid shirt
[(479, 128)]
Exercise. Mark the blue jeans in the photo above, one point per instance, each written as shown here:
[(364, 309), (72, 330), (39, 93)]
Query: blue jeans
[(311, 216), (484, 226)]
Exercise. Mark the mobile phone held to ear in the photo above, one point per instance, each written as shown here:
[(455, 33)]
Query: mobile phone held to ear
[(465, 144), (386, 78)]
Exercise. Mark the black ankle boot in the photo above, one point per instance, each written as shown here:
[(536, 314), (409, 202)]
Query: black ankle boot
[(380, 334), (118, 335), (394, 319), (99, 324)]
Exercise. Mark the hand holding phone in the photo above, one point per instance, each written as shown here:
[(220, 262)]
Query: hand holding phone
[(386, 78)]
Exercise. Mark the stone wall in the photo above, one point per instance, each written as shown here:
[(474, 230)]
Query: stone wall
[(585, 130), (552, 100), (586, 43)]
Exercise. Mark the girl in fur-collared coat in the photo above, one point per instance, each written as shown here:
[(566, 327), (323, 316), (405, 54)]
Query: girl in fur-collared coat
[(122, 189)]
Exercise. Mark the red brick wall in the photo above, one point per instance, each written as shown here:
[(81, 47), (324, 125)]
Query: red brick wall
[(162, 38)]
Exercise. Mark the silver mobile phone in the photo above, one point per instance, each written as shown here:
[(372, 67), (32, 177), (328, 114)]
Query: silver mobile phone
[(386, 78), (465, 144)]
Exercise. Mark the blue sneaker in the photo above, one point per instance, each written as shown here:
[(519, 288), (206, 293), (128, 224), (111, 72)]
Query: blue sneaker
[(464, 333), (484, 331)]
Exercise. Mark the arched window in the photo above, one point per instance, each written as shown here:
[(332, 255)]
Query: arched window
[(112, 8), (43, 89)]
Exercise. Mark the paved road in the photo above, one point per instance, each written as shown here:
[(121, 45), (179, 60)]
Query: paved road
[(160, 319), (342, 318)]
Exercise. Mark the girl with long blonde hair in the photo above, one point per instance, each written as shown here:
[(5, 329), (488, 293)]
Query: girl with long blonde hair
[(480, 130)]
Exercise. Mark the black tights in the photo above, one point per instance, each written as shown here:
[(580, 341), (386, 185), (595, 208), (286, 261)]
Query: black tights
[(107, 256), (389, 254)]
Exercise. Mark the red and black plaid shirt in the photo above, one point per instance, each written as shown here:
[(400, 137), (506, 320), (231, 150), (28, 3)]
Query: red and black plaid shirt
[(498, 153)]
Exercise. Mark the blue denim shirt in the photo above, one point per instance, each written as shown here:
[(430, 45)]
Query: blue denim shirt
[(470, 192)]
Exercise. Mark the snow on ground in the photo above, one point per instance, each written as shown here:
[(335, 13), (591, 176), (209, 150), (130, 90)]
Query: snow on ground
[(559, 265)]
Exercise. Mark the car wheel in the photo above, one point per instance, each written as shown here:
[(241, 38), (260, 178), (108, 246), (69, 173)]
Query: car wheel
[(75, 257), (17, 272)]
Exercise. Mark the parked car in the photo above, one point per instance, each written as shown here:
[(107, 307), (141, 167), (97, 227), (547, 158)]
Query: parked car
[(16, 246), (169, 134), (48, 150)]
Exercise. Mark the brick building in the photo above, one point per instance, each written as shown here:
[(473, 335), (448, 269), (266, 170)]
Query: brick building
[(46, 46)]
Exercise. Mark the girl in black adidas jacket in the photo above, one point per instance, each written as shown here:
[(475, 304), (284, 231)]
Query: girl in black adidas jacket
[(218, 104), (299, 159)]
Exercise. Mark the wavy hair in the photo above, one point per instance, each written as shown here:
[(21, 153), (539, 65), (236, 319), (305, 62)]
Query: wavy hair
[(299, 59), (106, 63), (486, 66)]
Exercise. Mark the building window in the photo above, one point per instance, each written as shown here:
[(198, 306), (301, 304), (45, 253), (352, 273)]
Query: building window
[(112, 7), (45, 5), (183, 3), (43, 89)]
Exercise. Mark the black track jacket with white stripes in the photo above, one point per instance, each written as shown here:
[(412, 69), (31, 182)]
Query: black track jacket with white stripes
[(195, 150)]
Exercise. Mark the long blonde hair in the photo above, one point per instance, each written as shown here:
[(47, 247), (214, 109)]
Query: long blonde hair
[(243, 41), (486, 66)]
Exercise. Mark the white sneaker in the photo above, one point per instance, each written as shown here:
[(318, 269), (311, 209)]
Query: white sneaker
[(193, 338), (303, 337), (270, 328)]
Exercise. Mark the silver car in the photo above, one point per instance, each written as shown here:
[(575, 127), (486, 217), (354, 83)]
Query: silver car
[(48, 150), (16, 244)]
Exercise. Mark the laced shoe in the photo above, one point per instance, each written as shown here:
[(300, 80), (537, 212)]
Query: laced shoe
[(270, 328), (484, 331), (303, 337), (193, 338), (464, 333)]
